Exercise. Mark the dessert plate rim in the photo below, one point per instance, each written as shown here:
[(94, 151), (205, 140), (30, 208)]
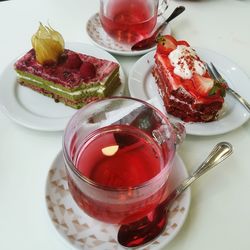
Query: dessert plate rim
[(141, 84), (36, 111), (82, 232), (99, 38)]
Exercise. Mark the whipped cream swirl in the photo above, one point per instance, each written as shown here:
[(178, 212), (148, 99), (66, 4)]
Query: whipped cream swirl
[(186, 62)]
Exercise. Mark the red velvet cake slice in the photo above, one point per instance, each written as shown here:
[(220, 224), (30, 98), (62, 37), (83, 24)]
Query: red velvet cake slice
[(187, 90), (67, 76)]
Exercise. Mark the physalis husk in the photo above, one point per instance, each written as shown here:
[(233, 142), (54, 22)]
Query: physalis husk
[(48, 44)]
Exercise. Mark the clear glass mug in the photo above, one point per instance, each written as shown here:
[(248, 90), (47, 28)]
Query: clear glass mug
[(129, 21), (118, 154)]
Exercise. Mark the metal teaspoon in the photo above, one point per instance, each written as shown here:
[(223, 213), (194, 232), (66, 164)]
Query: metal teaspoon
[(148, 228), (151, 41)]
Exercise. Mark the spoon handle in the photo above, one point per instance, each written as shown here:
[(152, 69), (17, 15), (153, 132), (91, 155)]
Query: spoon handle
[(220, 152), (176, 12)]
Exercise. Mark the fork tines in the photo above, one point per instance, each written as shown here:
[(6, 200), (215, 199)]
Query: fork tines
[(214, 73)]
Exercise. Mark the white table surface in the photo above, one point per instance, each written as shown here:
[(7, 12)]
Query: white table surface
[(219, 216)]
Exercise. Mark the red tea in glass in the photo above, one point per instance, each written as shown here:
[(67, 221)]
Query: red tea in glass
[(114, 150), (128, 21), (118, 154)]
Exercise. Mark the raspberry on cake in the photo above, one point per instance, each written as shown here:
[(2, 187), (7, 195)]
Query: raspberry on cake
[(69, 77), (187, 90)]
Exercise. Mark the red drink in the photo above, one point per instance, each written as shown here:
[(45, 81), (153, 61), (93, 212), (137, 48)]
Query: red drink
[(118, 173), (128, 21), (119, 156)]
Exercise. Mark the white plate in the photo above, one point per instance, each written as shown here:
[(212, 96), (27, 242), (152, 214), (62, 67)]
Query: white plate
[(142, 85), (33, 110), (85, 233), (100, 38)]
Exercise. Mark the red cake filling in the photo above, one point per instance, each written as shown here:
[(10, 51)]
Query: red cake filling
[(187, 90)]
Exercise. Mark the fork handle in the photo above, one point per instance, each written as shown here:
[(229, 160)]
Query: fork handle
[(239, 98)]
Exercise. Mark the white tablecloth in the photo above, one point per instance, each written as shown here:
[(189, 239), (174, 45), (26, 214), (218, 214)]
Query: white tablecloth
[(219, 216)]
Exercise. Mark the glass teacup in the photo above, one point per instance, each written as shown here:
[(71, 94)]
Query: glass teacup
[(118, 154), (129, 21)]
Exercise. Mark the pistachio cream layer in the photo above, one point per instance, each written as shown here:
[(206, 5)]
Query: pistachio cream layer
[(83, 91)]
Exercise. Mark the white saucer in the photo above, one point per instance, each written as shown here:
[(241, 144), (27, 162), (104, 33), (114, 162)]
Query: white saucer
[(85, 233), (100, 38), (33, 110), (142, 85)]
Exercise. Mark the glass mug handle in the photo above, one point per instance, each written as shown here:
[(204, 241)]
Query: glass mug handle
[(164, 133), (162, 7), (180, 131)]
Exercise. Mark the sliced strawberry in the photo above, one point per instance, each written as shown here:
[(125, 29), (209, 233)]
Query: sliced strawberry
[(182, 42), (164, 60), (189, 85), (166, 44), (161, 49), (202, 84)]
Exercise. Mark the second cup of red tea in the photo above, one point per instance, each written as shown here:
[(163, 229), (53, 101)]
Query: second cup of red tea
[(129, 21), (118, 155)]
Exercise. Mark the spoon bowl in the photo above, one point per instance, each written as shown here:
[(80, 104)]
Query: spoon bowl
[(148, 228), (149, 42)]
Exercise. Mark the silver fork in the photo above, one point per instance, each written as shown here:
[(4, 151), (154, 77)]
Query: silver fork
[(214, 73)]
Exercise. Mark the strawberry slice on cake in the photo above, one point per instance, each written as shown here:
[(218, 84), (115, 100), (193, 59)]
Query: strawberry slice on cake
[(187, 90)]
